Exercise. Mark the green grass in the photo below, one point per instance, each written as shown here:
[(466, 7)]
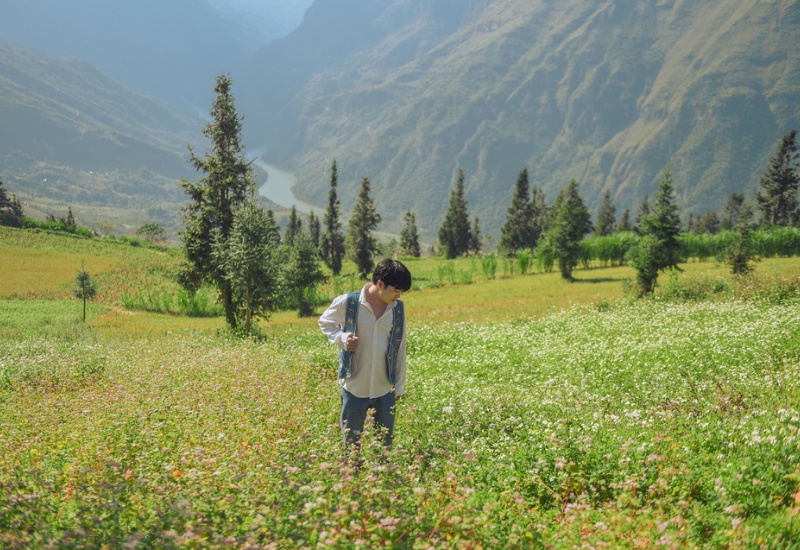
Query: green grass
[(538, 413)]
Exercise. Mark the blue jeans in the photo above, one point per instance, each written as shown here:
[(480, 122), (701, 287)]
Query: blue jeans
[(354, 413)]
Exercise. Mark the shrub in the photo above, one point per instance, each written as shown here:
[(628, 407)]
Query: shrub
[(489, 265)]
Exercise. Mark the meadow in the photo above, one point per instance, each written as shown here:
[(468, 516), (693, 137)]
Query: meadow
[(539, 414)]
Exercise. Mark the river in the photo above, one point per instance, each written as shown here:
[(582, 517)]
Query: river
[(278, 188)]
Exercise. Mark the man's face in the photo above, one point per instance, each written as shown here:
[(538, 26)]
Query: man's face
[(388, 293)]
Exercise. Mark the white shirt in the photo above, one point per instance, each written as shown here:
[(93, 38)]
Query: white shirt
[(369, 377)]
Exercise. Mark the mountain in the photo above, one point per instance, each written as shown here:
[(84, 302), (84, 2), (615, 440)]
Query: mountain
[(608, 92), (70, 135), (169, 50)]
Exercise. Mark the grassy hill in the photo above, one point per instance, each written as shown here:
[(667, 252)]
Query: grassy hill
[(527, 421)]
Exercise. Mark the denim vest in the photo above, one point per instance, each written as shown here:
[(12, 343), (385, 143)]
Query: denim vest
[(393, 347)]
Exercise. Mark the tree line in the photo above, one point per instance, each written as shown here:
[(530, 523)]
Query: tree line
[(232, 241), (555, 232), (234, 244)]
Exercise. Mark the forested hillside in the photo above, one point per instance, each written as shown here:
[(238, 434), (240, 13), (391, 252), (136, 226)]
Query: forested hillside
[(407, 92)]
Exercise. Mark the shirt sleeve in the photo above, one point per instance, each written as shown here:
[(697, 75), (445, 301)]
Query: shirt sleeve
[(331, 322)]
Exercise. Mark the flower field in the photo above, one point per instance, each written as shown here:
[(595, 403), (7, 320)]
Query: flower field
[(651, 424), (538, 413)]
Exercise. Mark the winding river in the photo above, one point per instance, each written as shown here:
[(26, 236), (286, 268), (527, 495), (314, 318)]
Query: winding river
[(278, 188)]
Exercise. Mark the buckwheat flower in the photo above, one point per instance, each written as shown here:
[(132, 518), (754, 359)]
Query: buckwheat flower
[(447, 410)]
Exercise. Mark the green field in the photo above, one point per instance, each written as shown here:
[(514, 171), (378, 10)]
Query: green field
[(538, 414)]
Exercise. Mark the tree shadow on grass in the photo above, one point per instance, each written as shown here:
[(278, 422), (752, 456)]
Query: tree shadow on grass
[(598, 280)]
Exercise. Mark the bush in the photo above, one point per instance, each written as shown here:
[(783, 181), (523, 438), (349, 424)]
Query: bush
[(524, 258), (57, 226), (693, 289), (489, 265)]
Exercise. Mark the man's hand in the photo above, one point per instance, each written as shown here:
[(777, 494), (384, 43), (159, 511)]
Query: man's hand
[(352, 342)]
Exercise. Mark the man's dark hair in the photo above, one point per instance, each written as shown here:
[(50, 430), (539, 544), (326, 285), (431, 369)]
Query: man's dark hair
[(392, 273)]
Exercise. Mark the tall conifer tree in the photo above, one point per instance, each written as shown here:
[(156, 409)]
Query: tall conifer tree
[(569, 222), (777, 199), (475, 237), (659, 248), (606, 217), (455, 230), (332, 244), (732, 211), (625, 221), (314, 229), (409, 236), (224, 187), (293, 227), (364, 221), (518, 229)]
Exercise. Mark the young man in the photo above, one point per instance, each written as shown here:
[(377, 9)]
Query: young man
[(369, 328)]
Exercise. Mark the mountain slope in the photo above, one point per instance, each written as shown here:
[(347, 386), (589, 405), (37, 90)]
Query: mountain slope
[(70, 135), (169, 50), (607, 92)]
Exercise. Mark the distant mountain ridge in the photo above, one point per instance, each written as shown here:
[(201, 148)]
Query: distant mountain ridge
[(70, 135), (610, 92)]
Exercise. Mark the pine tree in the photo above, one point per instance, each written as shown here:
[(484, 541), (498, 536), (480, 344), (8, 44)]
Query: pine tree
[(248, 259), (741, 255), (360, 239), (644, 210), (314, 229), (708, 223), (691, 225), (625, 221), (70, 221), (732, 211), (455, 230), (659, 248), (293, 227), (208, 217), (409, 237), (332, 243), (10, 209), (539, 214), (302, 274), (568, 223), (606, 217), (84, 289), (518, 230), (475, 237), (778, 199)]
